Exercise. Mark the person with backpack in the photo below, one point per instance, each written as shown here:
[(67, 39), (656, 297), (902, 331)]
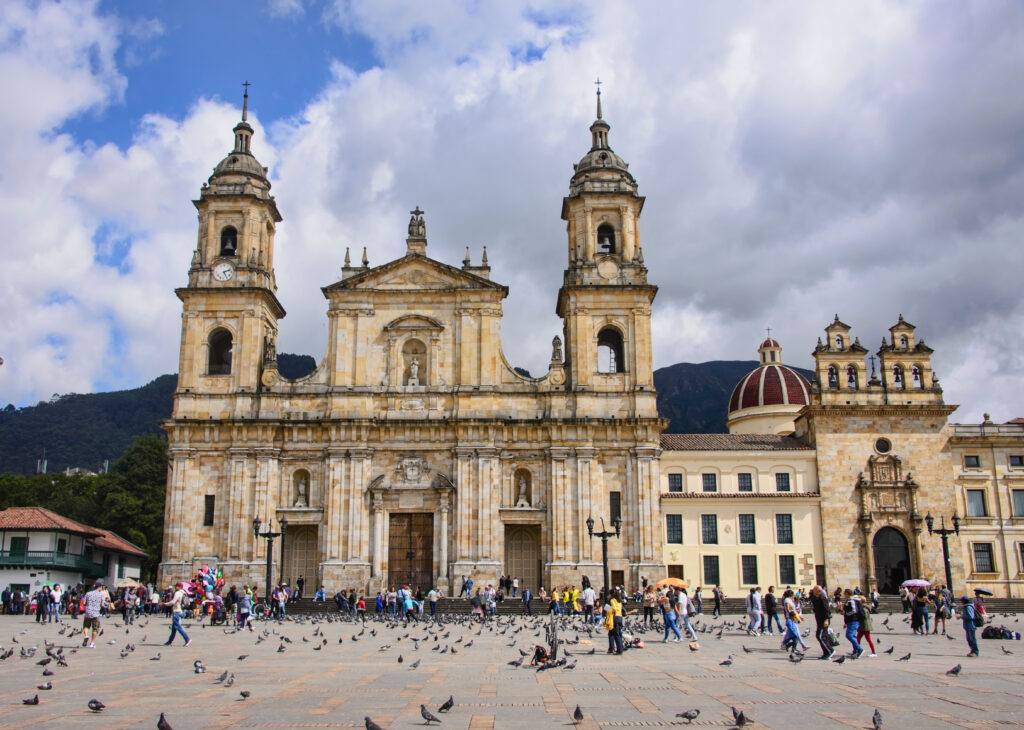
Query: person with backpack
[(864, 630), (527, 597), (718, 595), (822, 618), (178, 603), (969, 616), (851, 617)]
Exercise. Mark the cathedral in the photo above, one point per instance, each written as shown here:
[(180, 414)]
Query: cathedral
[(415, 454)]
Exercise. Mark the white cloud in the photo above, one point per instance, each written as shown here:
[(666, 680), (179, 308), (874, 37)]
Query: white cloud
[(799, 161)]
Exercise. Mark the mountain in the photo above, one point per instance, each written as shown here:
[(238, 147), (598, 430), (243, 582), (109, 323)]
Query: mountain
[(84, 430)]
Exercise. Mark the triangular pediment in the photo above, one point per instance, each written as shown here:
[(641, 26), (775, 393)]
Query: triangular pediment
[(414, 273)]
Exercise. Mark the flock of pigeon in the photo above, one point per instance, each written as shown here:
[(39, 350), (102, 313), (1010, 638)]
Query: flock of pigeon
[(411, 637)]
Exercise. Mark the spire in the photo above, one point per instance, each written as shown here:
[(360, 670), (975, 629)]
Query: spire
[(598, 84), (242, 130), (599, 129), (245, 101)]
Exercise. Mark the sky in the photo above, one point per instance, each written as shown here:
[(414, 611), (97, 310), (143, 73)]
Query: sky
[(799, 160)]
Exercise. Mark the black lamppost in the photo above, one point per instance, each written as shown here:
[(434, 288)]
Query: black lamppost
[(269, 536), (604, 535), (944, 532)]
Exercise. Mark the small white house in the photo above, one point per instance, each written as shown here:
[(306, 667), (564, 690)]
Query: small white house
[(39, 546)]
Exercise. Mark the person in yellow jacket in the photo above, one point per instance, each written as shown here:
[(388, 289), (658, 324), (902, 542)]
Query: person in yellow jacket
[(613, 622)]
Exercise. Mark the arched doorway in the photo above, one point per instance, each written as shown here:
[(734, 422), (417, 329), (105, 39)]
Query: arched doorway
[(892, 559), (522, 555), (301, 556)]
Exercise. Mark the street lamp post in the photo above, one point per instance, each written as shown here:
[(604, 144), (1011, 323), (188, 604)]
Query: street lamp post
[(944, 532), (269, 536), (604, 535)]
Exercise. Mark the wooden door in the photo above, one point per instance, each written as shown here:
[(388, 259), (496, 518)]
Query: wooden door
[(522, 555), (411, 550), (301, 556)]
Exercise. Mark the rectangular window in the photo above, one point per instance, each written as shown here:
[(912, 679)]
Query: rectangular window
[(1018, 502), (675, 571), (746, 481), (711, 570), (976, 503), (1020, 549), (784, 529), (17, 547), (747, 533), (787, 570), (615, 505), (782, 482), (748, 564), (709, 529), (971, 462), (983, 562), (674, 529), (675, 482), (120, 567), (710, 482), (62, 544), (208, 510), (1016, 461)]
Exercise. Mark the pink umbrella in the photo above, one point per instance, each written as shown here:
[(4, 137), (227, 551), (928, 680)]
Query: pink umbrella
[(915, 583)]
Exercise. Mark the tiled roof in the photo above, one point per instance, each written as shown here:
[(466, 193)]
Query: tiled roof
[(39, 518), (112, 541), (730, 442), (772, 384), (739, 495)]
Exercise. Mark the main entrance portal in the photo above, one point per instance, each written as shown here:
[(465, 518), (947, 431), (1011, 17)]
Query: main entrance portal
[(892, 559), (301, 556), (522, 555), (411, 550)]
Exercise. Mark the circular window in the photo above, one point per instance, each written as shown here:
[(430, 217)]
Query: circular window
[(883, 446)]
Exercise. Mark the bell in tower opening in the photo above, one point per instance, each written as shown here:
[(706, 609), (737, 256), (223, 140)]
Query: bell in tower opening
[(605, 239)]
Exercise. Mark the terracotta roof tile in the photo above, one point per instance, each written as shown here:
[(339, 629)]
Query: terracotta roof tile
[(730, 442), (112, 541), (40, 518)]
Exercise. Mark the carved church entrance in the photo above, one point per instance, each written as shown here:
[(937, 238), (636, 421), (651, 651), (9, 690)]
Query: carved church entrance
[(411, 550), (522, 555), (301, 556), (892, 559)]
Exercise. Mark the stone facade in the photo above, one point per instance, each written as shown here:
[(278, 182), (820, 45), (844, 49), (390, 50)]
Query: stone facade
[(414, 453)]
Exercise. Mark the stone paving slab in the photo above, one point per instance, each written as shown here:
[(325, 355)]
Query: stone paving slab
[(337, 684)]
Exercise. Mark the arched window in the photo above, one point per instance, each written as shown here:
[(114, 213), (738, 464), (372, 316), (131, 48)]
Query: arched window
[(605, 239), (903, 341), (220, 343), (833, 377), (228, 241), (897, 377), (609, 351), (839, 342), (915, 374), (851, 376), (300, 488)]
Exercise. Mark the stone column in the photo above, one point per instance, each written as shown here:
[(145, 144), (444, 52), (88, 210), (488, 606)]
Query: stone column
[(869, 556), (378, 529), (443, 562)]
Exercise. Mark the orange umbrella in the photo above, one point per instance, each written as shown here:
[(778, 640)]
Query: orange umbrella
[(674, 582)]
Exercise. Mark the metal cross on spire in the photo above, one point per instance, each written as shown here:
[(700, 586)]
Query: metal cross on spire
[(598, 85), (769, 331), (245, 100)]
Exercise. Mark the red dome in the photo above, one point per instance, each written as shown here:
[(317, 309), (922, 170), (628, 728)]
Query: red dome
[(770, 385), (770, 343)]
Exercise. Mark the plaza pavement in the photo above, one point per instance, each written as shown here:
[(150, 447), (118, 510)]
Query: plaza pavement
[(339, 684)]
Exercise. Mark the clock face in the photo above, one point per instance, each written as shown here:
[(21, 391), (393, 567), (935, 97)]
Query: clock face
[(223, 271)]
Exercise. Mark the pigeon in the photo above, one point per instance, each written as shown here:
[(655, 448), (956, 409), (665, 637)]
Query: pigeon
[(241, 657), (876, 720), (33, 701), (400, 660), (230, 681), (1005, 650), (689, 715), (47, 672), (839, 660), (44, 662), (890, 650), (162, 723), (448, 704), (955, 671), (516, 663), (245, 694), (198, 664), (223, 676), (904, 658), (742, 720), (426, 715), (415, 664), (577, 716), (371, 725), (96, 706), (49, 685), (745, 649), (569, 666), (727, 662), (796, 657)]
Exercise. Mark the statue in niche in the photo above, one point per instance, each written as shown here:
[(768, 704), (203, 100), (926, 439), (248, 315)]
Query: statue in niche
[(269, 349), (302, 492), (556, 349), (414, 371), (523, 498)]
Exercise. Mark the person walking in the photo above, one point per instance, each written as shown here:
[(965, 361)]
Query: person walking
[(822, 618), (968, 616), (527, 597), (613, 622), (589, 597), (177, 605), (851, 617), (698, 600), (771, 610), (683, 606), (668, 606), (754, 612), (864, 630), (943, 610), (718, 595), (791, 638), (95, 600), (650, 601)]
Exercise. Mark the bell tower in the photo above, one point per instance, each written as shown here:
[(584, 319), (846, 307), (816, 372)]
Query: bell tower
[(230, 308), (605, 300)]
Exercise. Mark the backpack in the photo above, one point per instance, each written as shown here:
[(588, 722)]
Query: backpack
[(864, 614), (979, 617), (186, 601)]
